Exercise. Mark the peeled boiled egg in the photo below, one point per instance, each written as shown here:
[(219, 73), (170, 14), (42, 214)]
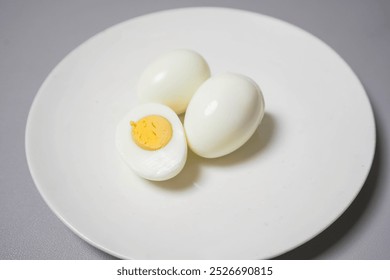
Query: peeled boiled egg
[(223, 114), (173, 78), (151, 141)]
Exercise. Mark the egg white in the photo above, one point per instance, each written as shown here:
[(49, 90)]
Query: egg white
[(223, 114), (172, 79), (158, 165)]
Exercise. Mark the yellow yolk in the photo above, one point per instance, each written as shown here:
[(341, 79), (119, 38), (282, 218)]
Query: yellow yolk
[(151, 132)]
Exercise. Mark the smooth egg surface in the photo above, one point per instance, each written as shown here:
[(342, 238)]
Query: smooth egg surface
[(223, 114), (173, 78), (151, 141)]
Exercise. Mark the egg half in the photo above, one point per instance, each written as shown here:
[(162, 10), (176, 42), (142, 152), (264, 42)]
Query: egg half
[(172, 79), (223, 114), (152, 142)]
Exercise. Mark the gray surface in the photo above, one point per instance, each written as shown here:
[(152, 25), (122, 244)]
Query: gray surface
[(36, 35)]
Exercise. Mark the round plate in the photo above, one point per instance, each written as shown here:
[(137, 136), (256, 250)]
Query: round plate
[(301, 169)]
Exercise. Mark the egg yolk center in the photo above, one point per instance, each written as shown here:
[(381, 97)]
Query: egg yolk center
[(151, 132)]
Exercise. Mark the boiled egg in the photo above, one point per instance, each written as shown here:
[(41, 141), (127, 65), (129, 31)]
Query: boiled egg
[(172, 79), (223, 114), (151, 141)]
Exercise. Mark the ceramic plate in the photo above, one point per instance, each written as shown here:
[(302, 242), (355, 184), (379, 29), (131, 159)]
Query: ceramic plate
[(302, 168)]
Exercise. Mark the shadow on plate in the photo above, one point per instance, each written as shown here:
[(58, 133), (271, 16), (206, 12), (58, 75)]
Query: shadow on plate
[(259, 141), (192, 170), (345, 223)]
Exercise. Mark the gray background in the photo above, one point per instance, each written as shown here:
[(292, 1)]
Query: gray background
[(36, 35)]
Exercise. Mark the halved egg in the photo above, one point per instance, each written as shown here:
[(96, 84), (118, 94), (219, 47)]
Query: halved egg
[(152, 142)]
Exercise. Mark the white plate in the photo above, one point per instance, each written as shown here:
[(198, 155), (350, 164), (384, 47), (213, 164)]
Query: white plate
[(297, 174)]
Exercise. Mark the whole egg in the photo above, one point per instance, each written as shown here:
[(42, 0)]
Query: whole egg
[(223, 114), (172, 78)]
